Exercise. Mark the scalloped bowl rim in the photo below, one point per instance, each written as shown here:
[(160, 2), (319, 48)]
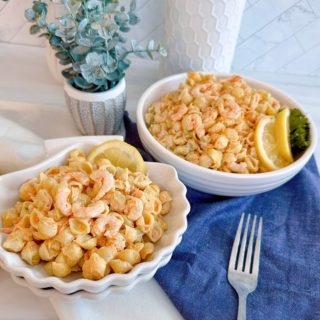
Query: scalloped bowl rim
[(50, 293), (182, 164), (112, 279)]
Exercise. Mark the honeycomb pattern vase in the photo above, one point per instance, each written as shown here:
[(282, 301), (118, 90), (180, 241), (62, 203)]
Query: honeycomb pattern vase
[(201, 35)]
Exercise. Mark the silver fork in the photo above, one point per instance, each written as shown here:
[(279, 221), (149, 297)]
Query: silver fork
[(242, 277)]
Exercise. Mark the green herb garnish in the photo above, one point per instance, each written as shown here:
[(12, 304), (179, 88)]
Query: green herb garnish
[(299, 132)]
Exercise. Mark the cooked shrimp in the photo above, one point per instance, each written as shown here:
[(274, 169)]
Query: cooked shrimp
[(78, 176), (7, 230), (24, 232), (193, 122), (236, 80), (230, 110), (134, 208), (93, 210), (202, 89), (238, 167), (137, 193), (62, 200), (105, 180), (180, 111), (106, 224)]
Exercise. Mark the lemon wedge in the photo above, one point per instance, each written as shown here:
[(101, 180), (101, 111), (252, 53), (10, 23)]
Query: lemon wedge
[(119, 153), (282, 134), (266, 145)]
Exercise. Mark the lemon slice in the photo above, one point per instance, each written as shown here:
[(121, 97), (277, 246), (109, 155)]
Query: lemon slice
[(282, 134), (119, 153), (266, 145)]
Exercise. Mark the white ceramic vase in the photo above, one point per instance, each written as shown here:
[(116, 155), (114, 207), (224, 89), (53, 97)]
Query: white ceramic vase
[(201, 35), (98, 113)]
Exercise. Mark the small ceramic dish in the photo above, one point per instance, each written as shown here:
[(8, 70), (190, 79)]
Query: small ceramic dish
[(36, 275), (213, 181)]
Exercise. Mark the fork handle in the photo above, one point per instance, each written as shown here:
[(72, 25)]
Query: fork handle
[(242, 306)]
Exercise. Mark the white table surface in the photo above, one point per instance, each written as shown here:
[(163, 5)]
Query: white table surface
[(25, 78)]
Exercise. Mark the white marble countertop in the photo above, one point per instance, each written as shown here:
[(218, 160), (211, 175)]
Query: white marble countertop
[(25, 78)]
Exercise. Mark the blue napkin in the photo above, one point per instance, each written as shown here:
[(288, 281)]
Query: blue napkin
[(289, 278)]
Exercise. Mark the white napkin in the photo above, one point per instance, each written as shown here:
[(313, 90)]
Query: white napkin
[(20, 148), (144, 301)]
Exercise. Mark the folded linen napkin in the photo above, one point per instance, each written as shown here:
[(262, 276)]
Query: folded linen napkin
[(289, 280)]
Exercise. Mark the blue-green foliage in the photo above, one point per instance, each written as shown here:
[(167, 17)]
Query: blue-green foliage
[(90, 40)]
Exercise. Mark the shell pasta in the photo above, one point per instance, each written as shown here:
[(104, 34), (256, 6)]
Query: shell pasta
[(93, 218), (211, 122)]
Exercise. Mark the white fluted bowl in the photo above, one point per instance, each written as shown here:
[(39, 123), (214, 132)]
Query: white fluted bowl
[(213, 181), (51, 293), (36, 276)]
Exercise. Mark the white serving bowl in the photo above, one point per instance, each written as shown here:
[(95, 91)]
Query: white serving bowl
[(36, 275), (52, 293), (213, 181)]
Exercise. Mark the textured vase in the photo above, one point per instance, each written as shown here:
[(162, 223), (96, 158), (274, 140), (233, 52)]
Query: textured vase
[(97, 113), (201, 35)]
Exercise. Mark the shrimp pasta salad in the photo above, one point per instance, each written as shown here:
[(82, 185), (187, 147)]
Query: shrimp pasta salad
[(211, 122), (93, 218)]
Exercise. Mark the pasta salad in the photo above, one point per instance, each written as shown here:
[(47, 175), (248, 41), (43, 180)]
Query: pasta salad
[(211, 122), (87, 217)]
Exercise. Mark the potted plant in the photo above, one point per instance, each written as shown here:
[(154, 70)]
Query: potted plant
[(89, 40)]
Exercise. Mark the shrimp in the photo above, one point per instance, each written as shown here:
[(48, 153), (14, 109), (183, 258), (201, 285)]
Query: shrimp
[(255, 99), (24, 232), (93, 210), (105, 180), (237, 80), (78, 176), (180, 111), (202, 89), (134, 208), (106, 224), (7, 230), (238, 167), (62, 200), (193, 122), (137, 193), (230, 110)]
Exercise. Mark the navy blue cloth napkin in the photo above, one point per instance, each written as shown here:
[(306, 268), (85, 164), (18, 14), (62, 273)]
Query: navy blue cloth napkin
[(289, 279)]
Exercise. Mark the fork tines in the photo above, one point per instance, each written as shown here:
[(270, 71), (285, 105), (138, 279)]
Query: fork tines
[(237, 256)]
